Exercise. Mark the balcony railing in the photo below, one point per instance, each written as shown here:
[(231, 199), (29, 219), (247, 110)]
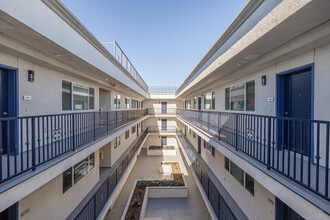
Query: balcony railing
[(28, 142), (218, 203), (121, 57), (168, 129), (296, 148), (162, 89), (96, 203), (161, 111)]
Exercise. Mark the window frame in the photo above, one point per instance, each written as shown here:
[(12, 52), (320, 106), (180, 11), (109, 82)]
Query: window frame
[(209, 148), (126, 134), (212, 100), (245, 96), (116, 142), (72, 83)]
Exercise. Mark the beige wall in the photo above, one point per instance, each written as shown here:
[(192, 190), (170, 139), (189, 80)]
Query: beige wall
[(255, 207), (115, 154), (157, 122), (155, 140), (49, 202), (156, 103)]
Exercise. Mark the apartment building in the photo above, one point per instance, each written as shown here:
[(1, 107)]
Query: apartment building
[(248, 131)]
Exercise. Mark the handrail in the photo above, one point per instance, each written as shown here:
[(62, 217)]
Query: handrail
[(121, 57), (296, 148), (31, 141), (96, 203)]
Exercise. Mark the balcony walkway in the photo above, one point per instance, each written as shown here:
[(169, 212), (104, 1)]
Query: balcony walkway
[(146, 167)]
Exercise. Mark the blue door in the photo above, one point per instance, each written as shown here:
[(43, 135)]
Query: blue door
[(199, 144), (164, 124), (164, 107), (8, 108), (164, 140), (295, 101), (199, 103)]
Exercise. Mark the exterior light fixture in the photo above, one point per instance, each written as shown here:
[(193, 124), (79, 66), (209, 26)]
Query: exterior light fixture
[(30, 75)]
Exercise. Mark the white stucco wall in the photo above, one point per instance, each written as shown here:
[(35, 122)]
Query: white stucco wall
[(49, 202)]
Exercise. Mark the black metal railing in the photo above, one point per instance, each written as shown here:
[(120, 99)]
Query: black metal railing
[(218, 203), (96, 203), (295, 148), (27, 142), (168, 129), (161, 111)]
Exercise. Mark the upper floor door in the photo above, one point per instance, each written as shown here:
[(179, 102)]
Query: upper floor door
[(164, 108), (296, 103)]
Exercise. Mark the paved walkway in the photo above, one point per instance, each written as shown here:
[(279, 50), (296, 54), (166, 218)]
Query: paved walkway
[(146, 167)]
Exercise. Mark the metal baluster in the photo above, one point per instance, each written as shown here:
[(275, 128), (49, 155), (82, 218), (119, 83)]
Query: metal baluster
[(326, 170), (33, 145)]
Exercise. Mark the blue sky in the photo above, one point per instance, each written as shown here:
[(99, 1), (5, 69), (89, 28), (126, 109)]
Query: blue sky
[(164, 39)]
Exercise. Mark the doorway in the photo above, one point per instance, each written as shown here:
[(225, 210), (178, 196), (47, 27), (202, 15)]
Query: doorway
[(8, 107), (164, 107), (295, 101)]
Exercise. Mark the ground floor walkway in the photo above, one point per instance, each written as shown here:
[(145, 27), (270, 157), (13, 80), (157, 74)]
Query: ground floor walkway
[(147, 167)]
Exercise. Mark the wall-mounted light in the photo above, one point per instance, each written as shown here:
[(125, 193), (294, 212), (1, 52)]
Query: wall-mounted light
[(31, 75), (263, 80)]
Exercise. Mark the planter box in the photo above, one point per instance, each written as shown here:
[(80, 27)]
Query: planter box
[(156, 192)]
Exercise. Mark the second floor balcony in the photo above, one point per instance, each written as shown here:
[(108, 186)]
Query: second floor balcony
[(31, 141), (298, 149)]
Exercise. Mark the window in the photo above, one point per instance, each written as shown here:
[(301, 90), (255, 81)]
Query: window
[(141, 104), (91, 162), (227, 98), (240, 176), (127, 102), (209, 100), (227, 164), (67, 179), (126, 134), (250, 93), (240, 97), (209, 148), (237, 97), (116, 142), (194, 134), (80, 97), (66, 95), (134, 103), (72, 175), (189, 130), (133, 129), (189, 104), (237, 173), (164, 140), (91, 98), (195, 103), (80, 170), (249, 184), (116, 101)]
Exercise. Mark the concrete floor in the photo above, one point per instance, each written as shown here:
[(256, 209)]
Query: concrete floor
[(146, 167)]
